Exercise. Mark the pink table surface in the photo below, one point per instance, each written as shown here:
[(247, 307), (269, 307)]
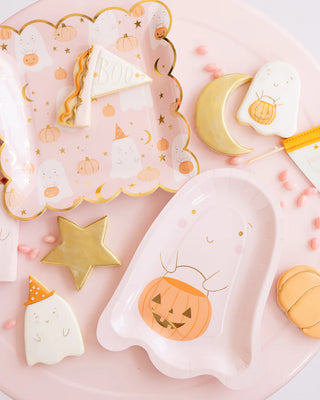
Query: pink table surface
[(239, 40)]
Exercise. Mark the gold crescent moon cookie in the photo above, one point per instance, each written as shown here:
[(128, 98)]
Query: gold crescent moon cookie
[(209, 116)]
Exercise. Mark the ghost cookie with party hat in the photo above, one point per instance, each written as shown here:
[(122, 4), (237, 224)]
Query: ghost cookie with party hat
[(51, 331)]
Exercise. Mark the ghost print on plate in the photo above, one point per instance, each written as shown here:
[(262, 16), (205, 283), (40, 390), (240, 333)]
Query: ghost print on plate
[(51, 330), (187, 289), (272, 102), (134, 163)]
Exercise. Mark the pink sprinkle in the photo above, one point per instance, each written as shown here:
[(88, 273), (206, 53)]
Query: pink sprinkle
[(310, 191), (212, 67), (202, 50), (283, 176), (50, 239), (11, 323), (301, 200), (317, 223), (24, 248), (235, 160), (290, 185), (282, 204), (218, 73), (34, 253), (315, 243)]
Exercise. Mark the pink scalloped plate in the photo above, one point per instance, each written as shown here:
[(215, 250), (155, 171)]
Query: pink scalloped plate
[(239, 40), (142, 136)]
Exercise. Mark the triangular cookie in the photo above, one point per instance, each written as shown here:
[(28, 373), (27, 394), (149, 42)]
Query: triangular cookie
[(97, 73)]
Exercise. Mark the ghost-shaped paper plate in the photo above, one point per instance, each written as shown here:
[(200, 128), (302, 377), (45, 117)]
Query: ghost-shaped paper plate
[(194, 294), (136, 140)]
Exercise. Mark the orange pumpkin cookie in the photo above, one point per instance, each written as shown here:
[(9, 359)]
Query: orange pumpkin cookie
[(299, 298)]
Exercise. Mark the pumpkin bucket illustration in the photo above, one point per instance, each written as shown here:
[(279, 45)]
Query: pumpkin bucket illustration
[(31, 59), (175, 309), (299, 298), (263, 112)]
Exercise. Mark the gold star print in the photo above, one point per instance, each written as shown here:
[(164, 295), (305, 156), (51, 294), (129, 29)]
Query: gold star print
[(23, 212), (94, 99), (142, 155), (161, 95), (62, 150), (162, 157), (81, 20), (29, 120), (81, 249), (132, 185), (161, 119), (35, 110), (4, 46), (38, 152), (95, 75), (105, 153), (138, 56), (67, 50), (54, 48), (170, 127), (47, 103), (138, 24), (87, 136), (119, 22)]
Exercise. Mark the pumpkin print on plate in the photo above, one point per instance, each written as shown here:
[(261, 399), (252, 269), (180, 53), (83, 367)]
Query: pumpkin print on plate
[(88, 166), (60, 74), (65, 33), (176, 309), (127, 43), (299, 298), (30, 59), (263, 112), (5, 33), (49, 134), (138, 11)]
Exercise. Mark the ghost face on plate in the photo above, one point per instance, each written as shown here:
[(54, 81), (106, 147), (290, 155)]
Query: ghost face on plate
[(126, 160), (182, 161), (32, 54), (104, 31), (53, 184)]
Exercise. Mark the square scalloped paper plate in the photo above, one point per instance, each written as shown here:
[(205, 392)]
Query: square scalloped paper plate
[(188, 296), (137, 140)]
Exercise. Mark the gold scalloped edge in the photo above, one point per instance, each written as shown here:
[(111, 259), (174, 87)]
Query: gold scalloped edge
[(100, 198)]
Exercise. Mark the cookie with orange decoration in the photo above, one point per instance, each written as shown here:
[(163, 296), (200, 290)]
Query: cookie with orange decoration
[(51, 330)]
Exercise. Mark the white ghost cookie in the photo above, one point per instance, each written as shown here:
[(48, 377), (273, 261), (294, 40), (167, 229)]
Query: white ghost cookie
[(272, 102), (51, 331)]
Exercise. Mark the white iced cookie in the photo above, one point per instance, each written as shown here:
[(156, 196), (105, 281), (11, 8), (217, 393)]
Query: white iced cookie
[(272, 102), (97, 73), (51, 330)]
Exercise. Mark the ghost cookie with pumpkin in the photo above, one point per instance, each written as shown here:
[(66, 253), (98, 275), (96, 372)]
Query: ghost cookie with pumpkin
[(272, 101)]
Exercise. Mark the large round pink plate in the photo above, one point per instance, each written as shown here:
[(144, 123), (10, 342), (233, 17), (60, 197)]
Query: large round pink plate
[(239, 40)]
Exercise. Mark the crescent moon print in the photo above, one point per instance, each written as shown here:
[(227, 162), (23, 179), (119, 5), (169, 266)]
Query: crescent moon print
[(149, 137), (24, 94), (210, 121)]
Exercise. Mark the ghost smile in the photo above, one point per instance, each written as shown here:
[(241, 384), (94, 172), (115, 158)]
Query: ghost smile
[(165, 323)]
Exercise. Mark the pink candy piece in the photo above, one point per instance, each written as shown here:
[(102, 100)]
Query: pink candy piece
[(235, 160), (310, 191), (212, 67), (24, 248), (218, 73), (301, 200), (202, 50), (50, 239), (34, 253), (317, 223), (283, 176), (11, 323), (315, 243), (290, 185)]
